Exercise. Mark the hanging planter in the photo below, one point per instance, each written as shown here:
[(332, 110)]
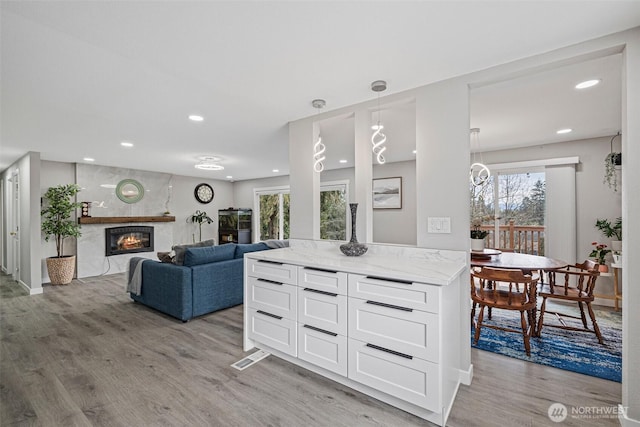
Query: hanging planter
[(611, 162)]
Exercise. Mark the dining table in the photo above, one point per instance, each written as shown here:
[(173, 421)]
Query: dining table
[(517, 261)]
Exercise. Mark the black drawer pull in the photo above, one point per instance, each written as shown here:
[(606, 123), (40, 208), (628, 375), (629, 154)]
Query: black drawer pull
[(269, 262), (404, 282), (395, 307), (320, 269), (270, 315), (386, 350), (333, 334), (331, 294), (270, 281)]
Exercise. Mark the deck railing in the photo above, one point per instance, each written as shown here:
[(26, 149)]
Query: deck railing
[(526, 239)]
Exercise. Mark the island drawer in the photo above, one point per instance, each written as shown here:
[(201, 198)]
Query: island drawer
[(323, 280), (273, 330), (418, 296), (272, 297), (278, 272), (401, 375), (323, 348), (323, 309), (398, 328)]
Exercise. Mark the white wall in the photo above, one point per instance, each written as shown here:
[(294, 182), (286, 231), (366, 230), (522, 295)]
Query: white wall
[(397, 226), (28, 168)]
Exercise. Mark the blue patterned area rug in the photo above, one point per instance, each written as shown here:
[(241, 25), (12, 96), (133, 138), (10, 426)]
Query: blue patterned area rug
[(568, 350)]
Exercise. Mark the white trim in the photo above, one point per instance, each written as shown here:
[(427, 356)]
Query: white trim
[(536, 163), (34, 291), (624, 420), (466, 376)]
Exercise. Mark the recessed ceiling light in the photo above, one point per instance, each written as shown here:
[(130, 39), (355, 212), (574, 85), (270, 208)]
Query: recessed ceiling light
[(108, 185), (415, 151), (229, 177), (587, 83), (275, 170), (89, 159), (196, 118), (561, 131), (126, 144), (343, 161)]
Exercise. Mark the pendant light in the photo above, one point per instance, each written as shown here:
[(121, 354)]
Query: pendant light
[(378, 138), (318, 146), (479, 173)]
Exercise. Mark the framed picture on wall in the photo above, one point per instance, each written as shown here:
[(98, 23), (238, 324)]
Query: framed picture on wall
[(387, 193)]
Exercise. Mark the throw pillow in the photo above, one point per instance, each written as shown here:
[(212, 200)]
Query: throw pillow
[(209, 254), (244, 248), (165, 257), (180, 249)]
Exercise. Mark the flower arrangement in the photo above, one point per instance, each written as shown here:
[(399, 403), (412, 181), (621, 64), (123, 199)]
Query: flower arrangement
[(599, 252)]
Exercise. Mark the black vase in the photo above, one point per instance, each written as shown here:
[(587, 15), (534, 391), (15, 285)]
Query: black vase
[(353, 248)]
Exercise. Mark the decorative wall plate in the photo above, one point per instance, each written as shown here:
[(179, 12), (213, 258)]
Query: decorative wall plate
[(204, 193)]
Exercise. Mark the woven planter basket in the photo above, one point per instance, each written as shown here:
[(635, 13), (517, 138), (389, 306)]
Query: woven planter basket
[(61, 269)]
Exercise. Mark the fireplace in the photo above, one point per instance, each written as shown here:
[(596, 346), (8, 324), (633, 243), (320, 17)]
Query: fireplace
[(128, 240)]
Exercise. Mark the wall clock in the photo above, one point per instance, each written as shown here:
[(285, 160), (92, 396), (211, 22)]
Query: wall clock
[(204, 193)]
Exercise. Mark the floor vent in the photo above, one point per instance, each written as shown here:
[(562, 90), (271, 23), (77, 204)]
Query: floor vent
[(250, 360)]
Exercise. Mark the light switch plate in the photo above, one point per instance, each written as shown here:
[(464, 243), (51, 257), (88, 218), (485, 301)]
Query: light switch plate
[(439, 224)]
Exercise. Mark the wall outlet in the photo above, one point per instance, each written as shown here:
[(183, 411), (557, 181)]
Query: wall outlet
[(439, 224)]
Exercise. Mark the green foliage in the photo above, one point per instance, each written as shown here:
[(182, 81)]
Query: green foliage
[(333, 220), (599, 252), (610, 174), (610, 229), (56, 215), (269, 216), (199, 218)]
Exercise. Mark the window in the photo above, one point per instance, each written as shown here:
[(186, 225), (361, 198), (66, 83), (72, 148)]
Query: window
[(518, 216), (272, 204), (273, 218), (333, 211)]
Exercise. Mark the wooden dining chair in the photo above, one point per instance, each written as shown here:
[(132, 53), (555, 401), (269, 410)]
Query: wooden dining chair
[(573, 284), (517, 292)]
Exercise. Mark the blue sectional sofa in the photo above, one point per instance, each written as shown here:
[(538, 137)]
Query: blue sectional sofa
[(210, 279)]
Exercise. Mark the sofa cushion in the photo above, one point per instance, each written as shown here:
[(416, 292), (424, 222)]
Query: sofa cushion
[(180, 250), (244, 248), (208, 254)]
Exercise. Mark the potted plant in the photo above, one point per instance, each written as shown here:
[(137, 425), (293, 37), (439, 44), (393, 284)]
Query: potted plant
[(611, 230), (199, 218), (477, 236), (599, 253), (57, 222)]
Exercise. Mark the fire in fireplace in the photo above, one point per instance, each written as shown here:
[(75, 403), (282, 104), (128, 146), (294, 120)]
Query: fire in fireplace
[(128, 240)]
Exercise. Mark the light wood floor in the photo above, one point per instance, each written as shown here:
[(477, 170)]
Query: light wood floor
[(85, 354)]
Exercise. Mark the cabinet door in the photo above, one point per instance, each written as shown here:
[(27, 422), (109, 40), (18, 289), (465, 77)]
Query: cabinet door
[(418, 296), (276, 271), (272, 297), (323, 310), (323, 280), (398, 328), (323, 348), (274, 331), (403, 376)]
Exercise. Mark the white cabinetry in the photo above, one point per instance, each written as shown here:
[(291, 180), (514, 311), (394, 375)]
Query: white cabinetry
[(383, 336)]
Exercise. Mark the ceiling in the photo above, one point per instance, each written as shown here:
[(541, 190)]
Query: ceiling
[(80, 77)]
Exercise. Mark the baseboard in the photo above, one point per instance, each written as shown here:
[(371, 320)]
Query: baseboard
[(466, 376), (624, 420), (34, 291), (4, 270)]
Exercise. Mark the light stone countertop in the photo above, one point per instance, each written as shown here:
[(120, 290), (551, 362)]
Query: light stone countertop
[(392, 262)]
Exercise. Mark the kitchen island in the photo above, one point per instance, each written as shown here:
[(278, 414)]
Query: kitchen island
[(390, 324)]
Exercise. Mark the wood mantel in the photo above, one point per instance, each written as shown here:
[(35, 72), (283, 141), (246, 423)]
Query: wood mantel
[(123, 219)]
